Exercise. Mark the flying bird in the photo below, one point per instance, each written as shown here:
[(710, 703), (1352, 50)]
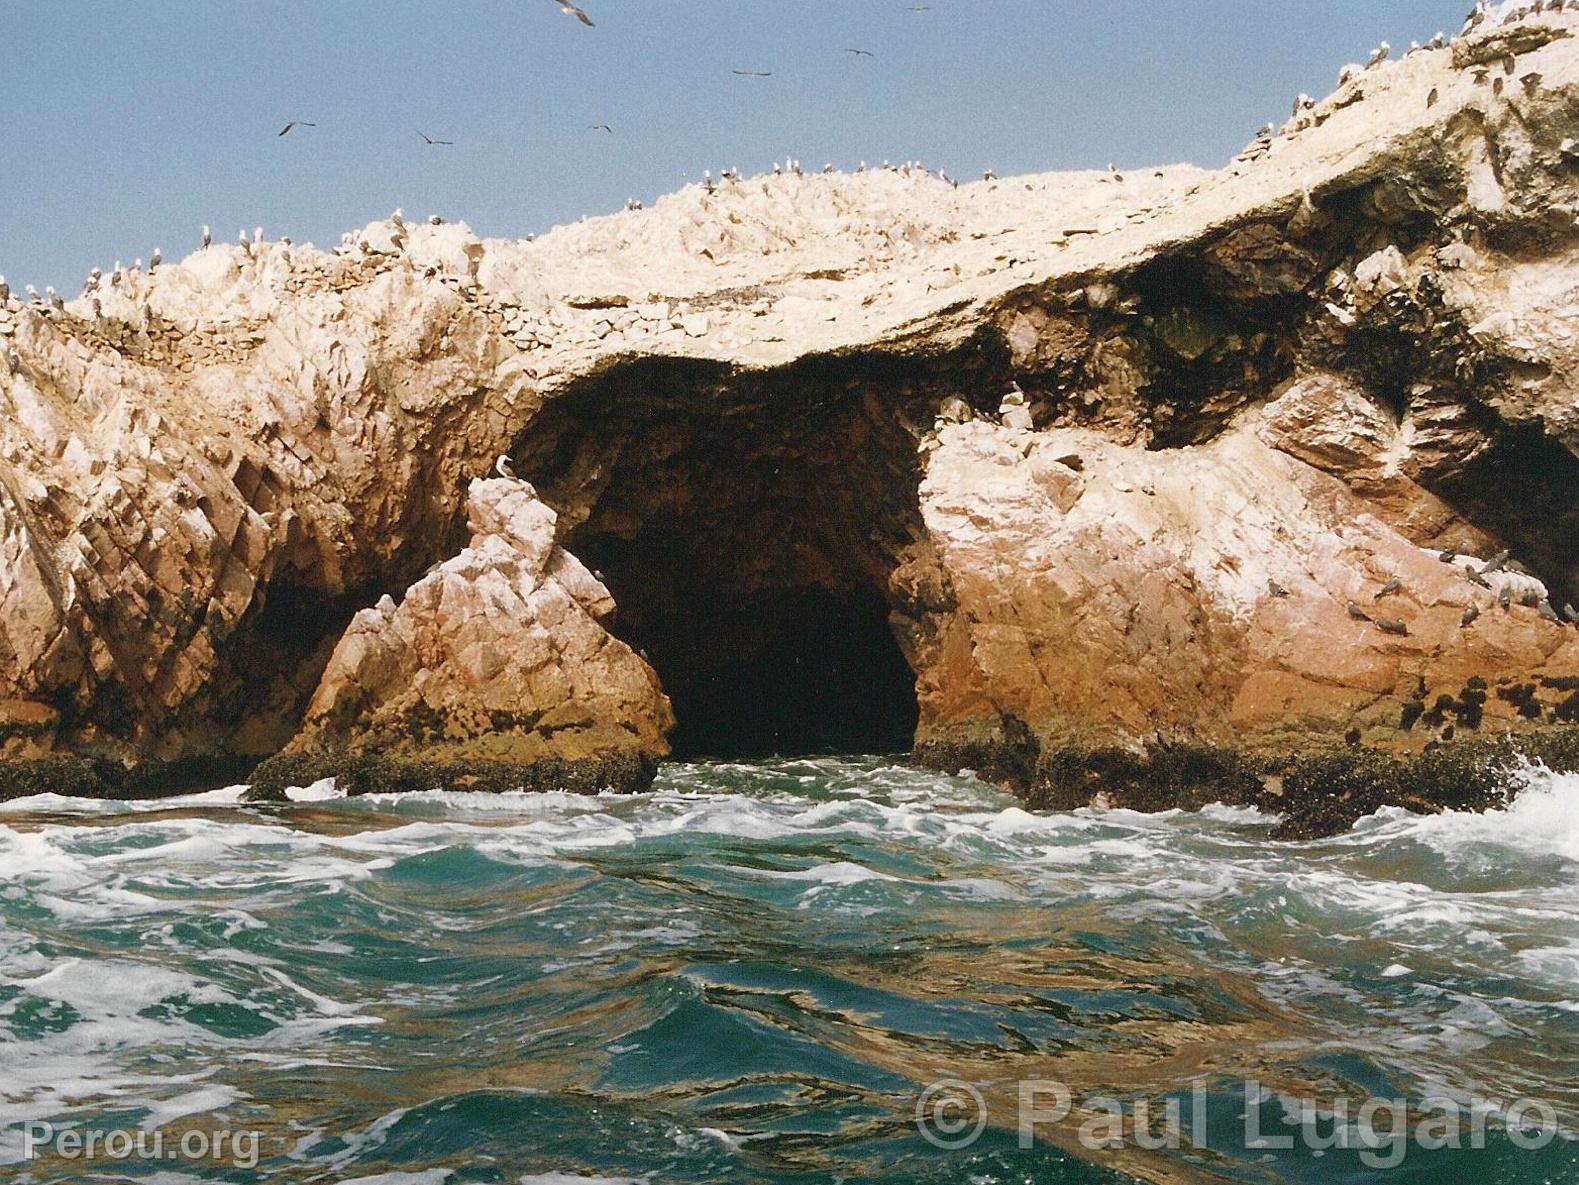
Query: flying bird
[(753, 73), (861, 53), (569, 9), (602, 127), (427, 139), (294, 124)]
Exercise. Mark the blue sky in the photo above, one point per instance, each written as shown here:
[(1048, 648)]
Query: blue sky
[(126, 124)]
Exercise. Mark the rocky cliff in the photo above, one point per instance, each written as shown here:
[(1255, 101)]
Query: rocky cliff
[(1223, 459)]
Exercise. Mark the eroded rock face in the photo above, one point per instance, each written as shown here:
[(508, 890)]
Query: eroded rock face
[(1104, 591), (1115, 455), (498, 654)]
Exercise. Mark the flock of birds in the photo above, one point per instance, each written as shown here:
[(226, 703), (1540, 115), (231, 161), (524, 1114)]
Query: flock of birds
[(1476, 573), (1483, 12), (580, 14)]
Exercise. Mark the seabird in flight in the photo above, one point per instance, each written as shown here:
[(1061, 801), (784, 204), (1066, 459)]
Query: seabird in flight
[(427, 139), (602, 127), (569, 9), (294, 124), (861, 53), (753, 73)]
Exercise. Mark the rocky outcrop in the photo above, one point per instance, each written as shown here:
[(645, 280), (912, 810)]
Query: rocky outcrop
[(496, 659), (1168, 458)]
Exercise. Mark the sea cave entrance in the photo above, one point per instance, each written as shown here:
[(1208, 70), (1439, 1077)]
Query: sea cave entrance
[(748, 532)]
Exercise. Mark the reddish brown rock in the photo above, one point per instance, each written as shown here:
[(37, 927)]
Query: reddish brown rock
[(498, 654)]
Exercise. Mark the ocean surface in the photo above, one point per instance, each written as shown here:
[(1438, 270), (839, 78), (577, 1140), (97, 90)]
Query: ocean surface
[(757, 972)]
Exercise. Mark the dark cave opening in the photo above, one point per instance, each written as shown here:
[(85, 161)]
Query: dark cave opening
[(747, 528), (786, 672)]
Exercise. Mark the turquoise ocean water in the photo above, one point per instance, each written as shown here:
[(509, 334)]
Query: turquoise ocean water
[(755, 972)]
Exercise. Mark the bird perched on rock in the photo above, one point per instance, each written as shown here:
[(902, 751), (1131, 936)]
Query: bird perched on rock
[(1378, 55), (1495, 563), (1431, 99), (1469, 615), (1357, 613), (1392, 627), (1448, 556), (1505, 598), (1276, 589), (1570, 614), (1548, 613), (1437, 42), (989, 175), (5, 290), (155, 259), (14, 361), (569, 9), (207, 237), (1389, 588), (55, 301), (502, 467)]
